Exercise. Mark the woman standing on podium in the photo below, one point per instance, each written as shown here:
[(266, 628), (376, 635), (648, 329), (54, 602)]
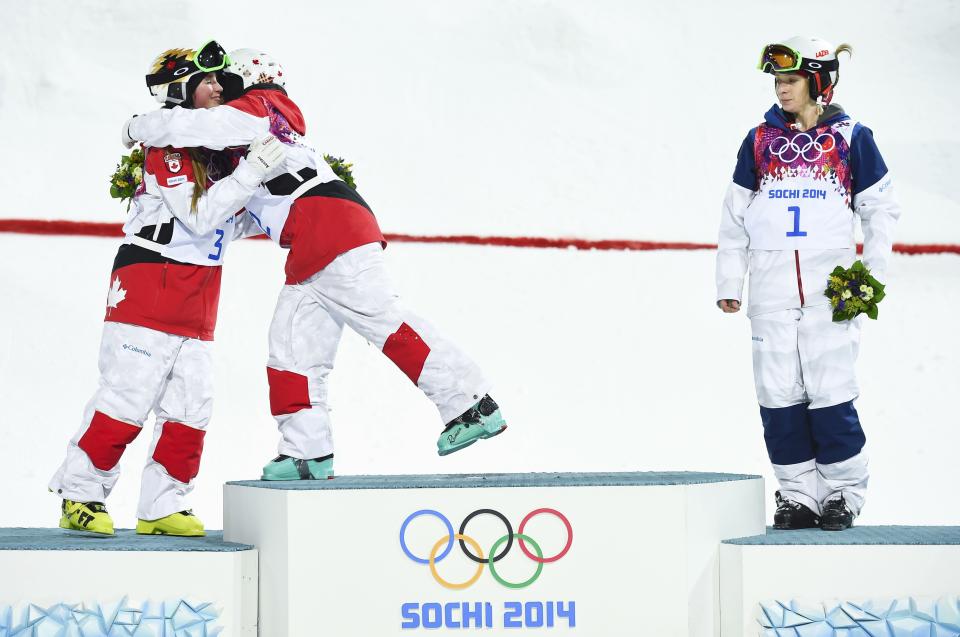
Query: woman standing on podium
[(155, 354), (803, 176)]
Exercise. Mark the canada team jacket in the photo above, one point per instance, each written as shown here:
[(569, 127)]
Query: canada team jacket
[(789, 215), (166, 275), (303, 206)]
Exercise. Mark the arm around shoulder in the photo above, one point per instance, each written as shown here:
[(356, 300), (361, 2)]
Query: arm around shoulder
[(215, 128)]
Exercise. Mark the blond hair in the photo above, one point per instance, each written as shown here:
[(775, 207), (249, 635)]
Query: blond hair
[(199, 177), (843, 48)]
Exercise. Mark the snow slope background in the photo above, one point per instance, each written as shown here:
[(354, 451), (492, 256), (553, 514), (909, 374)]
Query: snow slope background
[(599, 120)]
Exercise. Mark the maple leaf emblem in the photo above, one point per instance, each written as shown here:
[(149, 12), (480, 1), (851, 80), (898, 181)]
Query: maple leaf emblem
[(115, 295)]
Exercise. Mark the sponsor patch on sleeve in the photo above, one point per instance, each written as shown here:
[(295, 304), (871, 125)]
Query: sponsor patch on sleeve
[(176, 181)]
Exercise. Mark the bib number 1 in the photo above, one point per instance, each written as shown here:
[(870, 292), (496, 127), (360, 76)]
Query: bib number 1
[(796, 232)]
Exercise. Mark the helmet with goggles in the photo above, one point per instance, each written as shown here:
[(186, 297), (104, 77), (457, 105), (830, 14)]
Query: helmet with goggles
[(176, 72), (812, 57)]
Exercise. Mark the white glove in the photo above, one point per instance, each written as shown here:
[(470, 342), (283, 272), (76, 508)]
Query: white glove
[(266, 154), (128, 142)]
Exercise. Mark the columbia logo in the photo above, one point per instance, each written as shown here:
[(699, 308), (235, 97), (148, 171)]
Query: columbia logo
[(137, 350), (758, 339)]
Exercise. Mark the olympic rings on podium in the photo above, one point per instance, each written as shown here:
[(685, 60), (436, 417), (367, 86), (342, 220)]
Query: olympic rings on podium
[(506, 541)]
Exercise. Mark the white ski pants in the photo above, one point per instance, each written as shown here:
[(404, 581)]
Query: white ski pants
[(354, 290), (803, 366), (142, 370)]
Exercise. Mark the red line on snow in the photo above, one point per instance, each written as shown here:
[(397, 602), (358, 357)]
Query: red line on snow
[(98, 229)]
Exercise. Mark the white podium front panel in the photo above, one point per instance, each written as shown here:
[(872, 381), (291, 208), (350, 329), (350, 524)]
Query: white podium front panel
[(588, 554), (55, 582), (865, 581)]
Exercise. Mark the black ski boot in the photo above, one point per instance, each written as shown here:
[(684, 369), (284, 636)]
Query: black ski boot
[(793, 515), (837, 516)]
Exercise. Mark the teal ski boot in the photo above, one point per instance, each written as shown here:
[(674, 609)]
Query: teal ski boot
[(286, 468), (481, 421)]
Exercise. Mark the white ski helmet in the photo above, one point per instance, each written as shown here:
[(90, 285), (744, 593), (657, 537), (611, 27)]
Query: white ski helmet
[(255, 67), (813, 57)]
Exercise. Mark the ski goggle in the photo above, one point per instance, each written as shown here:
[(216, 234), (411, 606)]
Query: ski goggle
[(211, 57), (777, 58)]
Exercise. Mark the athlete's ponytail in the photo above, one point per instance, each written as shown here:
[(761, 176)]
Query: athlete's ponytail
[(199, 177), (843, 48)]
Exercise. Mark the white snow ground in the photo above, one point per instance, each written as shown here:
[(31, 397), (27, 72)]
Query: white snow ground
[(599, 120)]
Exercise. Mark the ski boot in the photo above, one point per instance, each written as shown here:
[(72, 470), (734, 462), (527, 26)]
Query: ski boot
[(184, 524), (793, 515), (837, 516), (91, 517), (286, 468), (483, 420)]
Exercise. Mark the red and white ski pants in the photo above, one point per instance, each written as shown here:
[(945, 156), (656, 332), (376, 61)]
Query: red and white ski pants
[(354, 290), (142, 370)]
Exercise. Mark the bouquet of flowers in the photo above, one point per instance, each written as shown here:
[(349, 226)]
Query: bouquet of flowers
[(341, 169), (853, 291), (127, 177)]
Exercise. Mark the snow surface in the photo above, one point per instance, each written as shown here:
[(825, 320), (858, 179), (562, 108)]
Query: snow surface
[(598, 120)]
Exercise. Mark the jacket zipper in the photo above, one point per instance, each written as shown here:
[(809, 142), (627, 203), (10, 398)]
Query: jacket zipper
[(796, 256)]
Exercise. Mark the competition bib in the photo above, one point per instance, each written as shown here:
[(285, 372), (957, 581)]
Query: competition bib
[(797, 214), (270, 212), (206, 249), (174, 241), (803, 197)]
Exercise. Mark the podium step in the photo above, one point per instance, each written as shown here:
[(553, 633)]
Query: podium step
[(867, 580), (579, 553), (58, 582)]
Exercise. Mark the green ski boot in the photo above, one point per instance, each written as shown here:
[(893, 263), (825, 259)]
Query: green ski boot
[(481, 421), (286, 468)]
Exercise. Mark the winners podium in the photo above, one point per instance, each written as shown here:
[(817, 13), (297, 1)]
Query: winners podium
[(592, 554), (658, 554)]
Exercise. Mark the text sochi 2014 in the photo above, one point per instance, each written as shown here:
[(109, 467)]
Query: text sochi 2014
[(481, 615)]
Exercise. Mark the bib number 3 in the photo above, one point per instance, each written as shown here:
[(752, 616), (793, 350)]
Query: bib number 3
[(796, 232), (218, 245)]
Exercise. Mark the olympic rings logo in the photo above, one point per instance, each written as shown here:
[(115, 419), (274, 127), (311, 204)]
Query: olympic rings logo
[(789, 150), (476, 555)]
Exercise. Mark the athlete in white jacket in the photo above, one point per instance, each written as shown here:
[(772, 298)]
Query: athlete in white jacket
[(158, 329), (803, 177), (336, 276)]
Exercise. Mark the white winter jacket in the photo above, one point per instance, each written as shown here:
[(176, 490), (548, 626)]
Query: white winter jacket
[(789, 215)]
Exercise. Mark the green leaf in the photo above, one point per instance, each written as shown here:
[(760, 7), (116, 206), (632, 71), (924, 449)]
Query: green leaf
[(872, 312)]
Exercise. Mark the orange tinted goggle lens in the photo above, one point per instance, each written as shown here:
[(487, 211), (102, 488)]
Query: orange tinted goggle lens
[(780, 58)]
